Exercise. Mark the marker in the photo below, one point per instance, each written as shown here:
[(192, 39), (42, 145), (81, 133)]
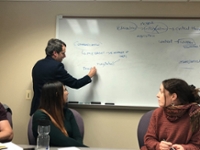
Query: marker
[(109, 103), (73, 102), (95, 102), (171, 148)]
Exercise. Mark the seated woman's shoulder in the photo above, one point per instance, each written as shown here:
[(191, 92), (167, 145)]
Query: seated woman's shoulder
[(40, 114), (158, 111), (37, 112)]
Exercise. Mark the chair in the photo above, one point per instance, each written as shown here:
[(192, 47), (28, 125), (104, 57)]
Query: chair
[(79, 121), (142, 127), (9, 114), (31, 138), (78, 118)]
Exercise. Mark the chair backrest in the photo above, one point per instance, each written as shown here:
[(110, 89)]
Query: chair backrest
[(143, 126), (9, 114), (79, 121), (31, 138), (77, 116)]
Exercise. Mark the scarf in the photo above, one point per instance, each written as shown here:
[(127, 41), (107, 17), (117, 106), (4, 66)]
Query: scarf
[(173, 113)]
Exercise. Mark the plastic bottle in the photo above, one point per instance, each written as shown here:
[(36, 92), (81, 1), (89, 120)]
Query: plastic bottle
[(43, 135)]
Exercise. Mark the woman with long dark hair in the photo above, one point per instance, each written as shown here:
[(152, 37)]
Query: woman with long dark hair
[(64, 129)]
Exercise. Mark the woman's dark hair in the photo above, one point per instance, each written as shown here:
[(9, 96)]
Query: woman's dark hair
[(52, 100), (54, 45), (185, 93)]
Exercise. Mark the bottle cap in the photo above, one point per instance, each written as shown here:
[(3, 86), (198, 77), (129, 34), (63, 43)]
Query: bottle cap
[(43, 122)]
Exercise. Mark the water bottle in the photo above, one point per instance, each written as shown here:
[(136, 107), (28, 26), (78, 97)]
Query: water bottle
[(43, 135)]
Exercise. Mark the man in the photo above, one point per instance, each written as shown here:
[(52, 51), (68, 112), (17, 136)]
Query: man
[(6, 132), (51, 68)]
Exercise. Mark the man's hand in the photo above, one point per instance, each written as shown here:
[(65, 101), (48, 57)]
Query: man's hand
[(92, 72)]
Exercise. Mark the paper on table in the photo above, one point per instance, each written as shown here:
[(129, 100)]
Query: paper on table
[(69, 148), (2, 146), (11, 146)]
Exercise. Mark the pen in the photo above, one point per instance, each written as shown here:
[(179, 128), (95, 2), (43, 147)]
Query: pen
[(171, 148)]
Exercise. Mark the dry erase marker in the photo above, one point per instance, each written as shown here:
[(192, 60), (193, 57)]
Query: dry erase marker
[(73, 102), (95, 102), (109, 103)]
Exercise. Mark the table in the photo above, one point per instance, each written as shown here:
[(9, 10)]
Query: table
[(27, 147)]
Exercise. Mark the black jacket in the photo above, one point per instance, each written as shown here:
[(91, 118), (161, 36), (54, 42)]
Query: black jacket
[(49, 69)]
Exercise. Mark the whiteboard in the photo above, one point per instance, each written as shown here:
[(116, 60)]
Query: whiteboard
[(132, 56)]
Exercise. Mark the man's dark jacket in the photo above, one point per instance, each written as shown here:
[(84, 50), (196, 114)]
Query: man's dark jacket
[(49, 69)]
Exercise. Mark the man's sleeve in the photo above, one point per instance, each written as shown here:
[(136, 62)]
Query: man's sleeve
[(63, 76)]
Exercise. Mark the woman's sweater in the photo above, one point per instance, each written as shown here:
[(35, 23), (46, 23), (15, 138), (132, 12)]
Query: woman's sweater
[(57, 138), (177, 132)]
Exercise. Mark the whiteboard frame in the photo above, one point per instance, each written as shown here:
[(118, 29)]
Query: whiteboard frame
[(100, 106)]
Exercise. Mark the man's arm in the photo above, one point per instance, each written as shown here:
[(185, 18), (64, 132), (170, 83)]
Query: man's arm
[(6, 132), (63, 76)]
